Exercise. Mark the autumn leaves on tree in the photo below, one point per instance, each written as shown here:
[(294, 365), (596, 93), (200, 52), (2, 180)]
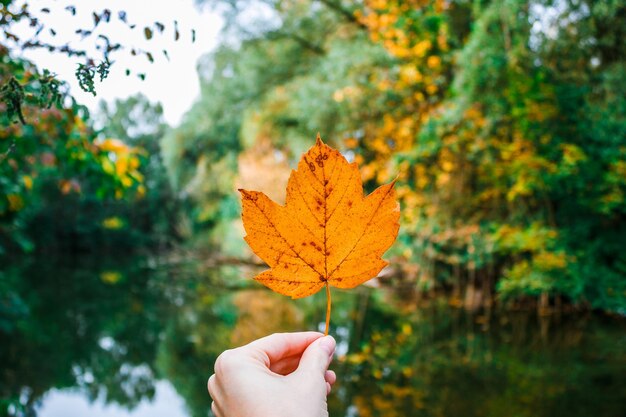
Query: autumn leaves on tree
[(327, 233)]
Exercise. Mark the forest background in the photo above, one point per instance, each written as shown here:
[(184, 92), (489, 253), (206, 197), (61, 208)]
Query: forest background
[(503, 122)]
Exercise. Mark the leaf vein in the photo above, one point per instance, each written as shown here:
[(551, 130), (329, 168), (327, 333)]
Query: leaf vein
[(345, 190), (305, 203), (285, 240), (362, 234)]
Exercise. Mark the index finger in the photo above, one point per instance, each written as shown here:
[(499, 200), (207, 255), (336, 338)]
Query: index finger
[(282, 345)]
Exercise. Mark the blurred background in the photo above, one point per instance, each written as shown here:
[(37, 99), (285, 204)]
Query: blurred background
[(125, 130)]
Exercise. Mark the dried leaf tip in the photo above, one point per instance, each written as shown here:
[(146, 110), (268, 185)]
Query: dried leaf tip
[(246, 194)]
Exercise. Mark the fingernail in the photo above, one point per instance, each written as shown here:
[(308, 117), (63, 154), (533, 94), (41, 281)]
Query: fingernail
[(327, 343)]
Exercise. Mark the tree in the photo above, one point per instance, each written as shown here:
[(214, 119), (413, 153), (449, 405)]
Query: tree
[(94, 59), (504, 135), (152, 219), (55, 160)]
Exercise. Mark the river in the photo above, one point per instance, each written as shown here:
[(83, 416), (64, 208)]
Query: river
[(115, 336)]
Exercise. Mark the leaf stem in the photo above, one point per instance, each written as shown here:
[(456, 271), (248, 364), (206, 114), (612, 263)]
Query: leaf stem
[(328, 302)]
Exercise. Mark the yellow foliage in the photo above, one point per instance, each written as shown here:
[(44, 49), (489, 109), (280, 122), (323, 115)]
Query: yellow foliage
[(351, 143), (443, 179), (113, 223), (261, 313), (368, 171), (113, 145), (16, 203), (573, 154), (338, 96), (263, 167), (110, 277), (550, 260), (433, 62), (420, 176), (107, 166), (618, 170), (417, 82), (409, 74), (121, 161), (28, 181), (421, 48)]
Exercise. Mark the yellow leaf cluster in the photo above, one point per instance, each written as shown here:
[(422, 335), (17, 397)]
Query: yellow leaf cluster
[(113, 223), (416, 84), (121, 161)]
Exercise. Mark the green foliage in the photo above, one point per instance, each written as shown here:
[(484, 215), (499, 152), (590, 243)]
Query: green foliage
[(503, 122), (86, 75), (43, 318), (61, 184), (560, 174), (93, 65), (13, 96), (151, 219), (277, 86), (130, 215), (43, 91)]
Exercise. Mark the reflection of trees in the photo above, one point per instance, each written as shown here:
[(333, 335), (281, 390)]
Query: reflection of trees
[(261, 313), (76, 330), (443, 362), (193, 339), (113, 332), (210, 323)]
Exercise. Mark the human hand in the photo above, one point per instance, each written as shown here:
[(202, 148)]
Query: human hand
[(282, 375)]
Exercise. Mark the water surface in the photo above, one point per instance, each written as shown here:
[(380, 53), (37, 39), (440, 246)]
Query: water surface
[(98, 336)]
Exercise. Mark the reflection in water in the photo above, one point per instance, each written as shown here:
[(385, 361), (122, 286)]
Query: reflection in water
[(166, 403), (109, 330), (260, 313)]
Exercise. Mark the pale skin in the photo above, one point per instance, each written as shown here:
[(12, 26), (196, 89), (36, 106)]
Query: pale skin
[(281, 375)]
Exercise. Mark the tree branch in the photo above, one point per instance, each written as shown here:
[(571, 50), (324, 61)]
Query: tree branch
[(6, 154), (305, 43), (347, 14)]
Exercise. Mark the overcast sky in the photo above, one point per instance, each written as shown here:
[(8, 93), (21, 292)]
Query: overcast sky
[(174, 83)]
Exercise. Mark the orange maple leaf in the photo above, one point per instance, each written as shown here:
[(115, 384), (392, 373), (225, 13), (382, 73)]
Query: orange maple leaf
[(327, 233)]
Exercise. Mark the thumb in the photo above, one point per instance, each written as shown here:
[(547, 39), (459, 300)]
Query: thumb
[(318, 356)]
